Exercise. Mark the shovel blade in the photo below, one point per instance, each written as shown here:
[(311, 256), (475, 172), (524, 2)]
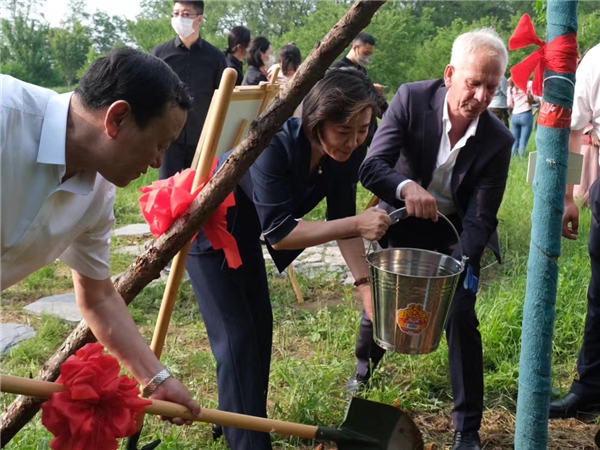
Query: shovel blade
[(390, 427)]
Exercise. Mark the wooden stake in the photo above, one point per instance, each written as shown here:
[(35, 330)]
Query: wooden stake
[(207, 155), (295, 285)]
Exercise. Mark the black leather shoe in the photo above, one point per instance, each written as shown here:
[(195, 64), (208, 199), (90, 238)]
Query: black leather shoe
[(466, 440), (217, 431), (357, 384), (572, 404)]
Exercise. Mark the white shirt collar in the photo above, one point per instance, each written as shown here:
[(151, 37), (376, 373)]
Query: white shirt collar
[(52, 149), (471, 129)]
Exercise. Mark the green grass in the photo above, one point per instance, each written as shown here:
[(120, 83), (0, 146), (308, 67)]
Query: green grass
[(314, 342)]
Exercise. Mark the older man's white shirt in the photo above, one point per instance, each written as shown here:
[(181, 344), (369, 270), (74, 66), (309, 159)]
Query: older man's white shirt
[(42, 218), (440, 185)]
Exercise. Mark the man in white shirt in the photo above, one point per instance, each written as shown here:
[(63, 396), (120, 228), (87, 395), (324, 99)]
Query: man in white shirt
[(584, 395), (438, 148), (61, 156)]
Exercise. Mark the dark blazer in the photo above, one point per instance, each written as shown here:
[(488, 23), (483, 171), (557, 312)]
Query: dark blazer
[(406, 146)]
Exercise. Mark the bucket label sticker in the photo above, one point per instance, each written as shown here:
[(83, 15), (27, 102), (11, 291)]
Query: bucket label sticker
[(413, 319)]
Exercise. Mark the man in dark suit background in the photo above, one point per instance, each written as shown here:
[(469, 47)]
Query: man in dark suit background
[(439, 149), (200, 66)]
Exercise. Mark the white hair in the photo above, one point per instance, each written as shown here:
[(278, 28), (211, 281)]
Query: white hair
[(482, 40)]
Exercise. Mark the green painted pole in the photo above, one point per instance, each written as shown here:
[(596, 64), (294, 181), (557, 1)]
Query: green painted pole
[(542, 271)]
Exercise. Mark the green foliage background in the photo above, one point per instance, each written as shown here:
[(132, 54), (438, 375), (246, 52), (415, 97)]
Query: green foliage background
[(414, 38)]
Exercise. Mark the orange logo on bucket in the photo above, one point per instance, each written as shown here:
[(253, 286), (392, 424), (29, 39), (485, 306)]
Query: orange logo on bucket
[(413, 319)]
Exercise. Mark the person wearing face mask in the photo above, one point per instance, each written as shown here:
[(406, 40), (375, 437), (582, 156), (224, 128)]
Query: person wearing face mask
[(438, 148), (359, 55), (237, 44), (359, 58), (200, 66), (313, 158), (260, 60), (60, 159)]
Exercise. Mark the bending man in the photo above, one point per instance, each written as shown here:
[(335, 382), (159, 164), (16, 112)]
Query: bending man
[(61, 157)]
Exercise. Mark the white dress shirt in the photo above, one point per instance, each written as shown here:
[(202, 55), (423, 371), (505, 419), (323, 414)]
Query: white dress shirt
[(586, 100), (440, 186), (43, 218)]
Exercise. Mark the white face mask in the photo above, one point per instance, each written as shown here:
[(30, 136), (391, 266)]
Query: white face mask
[(363, 60), (182, 26)]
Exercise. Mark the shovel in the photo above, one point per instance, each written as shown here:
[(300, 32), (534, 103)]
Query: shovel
[(368, 425)]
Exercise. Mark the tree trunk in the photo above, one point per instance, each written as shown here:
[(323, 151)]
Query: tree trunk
[(542, 269), (147, 266)]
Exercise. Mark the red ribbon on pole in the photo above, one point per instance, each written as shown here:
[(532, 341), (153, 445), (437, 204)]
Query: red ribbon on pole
[(97, 406), (560, 55), (165, 200)]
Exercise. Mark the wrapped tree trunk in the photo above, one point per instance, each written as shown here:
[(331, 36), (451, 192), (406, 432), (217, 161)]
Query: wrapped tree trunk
[(147, 267), (552, 141)]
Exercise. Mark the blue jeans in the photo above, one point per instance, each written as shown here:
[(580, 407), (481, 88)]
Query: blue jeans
[(521, 125)]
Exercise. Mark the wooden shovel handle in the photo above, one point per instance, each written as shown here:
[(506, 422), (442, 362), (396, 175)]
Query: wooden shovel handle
[(43, 389)]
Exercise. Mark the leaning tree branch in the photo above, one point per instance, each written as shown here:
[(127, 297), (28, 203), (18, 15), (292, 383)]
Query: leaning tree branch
[(147, 266)]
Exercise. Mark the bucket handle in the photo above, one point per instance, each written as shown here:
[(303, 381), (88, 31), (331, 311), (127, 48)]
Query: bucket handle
[(401, 214)]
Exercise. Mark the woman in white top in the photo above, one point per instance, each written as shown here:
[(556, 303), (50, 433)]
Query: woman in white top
[(289, 59), (521, 123)]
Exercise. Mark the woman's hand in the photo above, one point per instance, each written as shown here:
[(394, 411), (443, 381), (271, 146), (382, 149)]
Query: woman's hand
[(372, 224)]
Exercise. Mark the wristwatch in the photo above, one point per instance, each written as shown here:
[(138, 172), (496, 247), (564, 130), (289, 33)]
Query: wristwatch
[(360, 281), (155, 382)]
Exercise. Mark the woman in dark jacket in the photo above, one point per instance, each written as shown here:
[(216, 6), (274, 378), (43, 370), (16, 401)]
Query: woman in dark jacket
[(237, 44), (260, 59), (310, 159)]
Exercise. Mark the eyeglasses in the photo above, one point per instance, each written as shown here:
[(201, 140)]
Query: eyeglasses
[(185, 15)]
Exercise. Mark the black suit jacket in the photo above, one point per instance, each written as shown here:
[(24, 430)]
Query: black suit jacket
[(406, 146)]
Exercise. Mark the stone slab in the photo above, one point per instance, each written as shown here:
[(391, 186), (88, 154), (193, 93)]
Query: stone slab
[(12, 334), (130, 250), (136, 229), (62, 306)]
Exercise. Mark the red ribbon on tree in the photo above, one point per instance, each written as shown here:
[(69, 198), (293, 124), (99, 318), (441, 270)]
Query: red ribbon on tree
[(165, 200), (560, 55), (97, 406)]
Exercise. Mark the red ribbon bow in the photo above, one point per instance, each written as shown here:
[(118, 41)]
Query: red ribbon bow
[(560, 55), (165, 200), (97, 406)]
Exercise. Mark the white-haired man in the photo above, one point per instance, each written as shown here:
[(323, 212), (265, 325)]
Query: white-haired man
[(439, 149)]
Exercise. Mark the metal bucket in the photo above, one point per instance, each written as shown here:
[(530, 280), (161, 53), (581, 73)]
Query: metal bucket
[(412, 291)]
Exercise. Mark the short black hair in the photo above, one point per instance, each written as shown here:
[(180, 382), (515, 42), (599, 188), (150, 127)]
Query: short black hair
[(198, 5), (341, 95), (289, 58), (257, 46), (237, 36), (365, 39), (144, 81)]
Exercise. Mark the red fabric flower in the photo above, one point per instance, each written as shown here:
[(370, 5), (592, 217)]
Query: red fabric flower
[(560, 55), (165, 200), (97, 406)]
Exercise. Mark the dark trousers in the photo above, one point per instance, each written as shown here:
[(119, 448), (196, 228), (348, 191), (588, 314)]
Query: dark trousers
[(588, 364), (178, 157), (236, 309), (465, 353)]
